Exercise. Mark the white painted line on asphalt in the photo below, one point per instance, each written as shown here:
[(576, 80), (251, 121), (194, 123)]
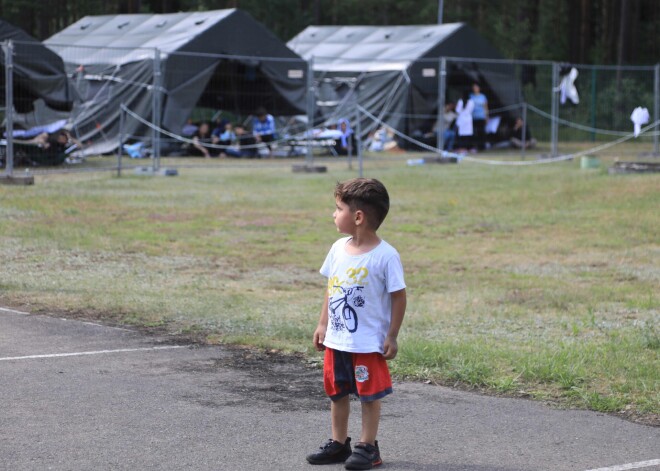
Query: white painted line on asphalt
[(101, 325), (97, 352), (624, 467), (14, 311)]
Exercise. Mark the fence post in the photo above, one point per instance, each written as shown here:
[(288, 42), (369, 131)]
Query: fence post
[(349, 142), (349, 155), (656, 110), (593, 104), (524, 131), (311, 101), (554, 123), (358, 141), (120, 147), (156, 111), (442, 86), (8, 47)]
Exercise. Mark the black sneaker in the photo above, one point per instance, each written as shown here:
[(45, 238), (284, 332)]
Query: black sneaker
[(365, 456), (331, 452)]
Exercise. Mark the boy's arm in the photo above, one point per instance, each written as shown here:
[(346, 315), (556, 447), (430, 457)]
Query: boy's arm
[(319, 333), (391, 347)]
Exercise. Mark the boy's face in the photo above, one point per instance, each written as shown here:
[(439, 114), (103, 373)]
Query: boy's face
[(344, 217)]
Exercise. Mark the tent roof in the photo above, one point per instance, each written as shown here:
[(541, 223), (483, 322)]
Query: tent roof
[(130, 38), (38, 72), (369, 48)]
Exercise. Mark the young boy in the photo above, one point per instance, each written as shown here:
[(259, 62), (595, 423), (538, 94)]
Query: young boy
[(362, 312)]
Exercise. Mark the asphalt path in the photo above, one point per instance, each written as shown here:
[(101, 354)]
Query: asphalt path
[(82, 396)]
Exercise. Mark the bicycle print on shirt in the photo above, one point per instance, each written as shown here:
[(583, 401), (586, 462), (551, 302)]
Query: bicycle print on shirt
[(344, 297)]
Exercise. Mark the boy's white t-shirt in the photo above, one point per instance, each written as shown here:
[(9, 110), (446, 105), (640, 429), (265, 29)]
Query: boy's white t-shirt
[(359, 301)]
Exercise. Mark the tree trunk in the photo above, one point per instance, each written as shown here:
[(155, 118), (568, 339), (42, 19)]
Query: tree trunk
[(624, 32), (585, 30)]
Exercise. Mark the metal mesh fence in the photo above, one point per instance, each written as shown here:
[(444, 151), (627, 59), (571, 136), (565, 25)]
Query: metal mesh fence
[(113, 103)]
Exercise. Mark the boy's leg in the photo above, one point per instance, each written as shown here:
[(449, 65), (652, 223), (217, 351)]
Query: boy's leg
[(370, 421), (366, 454), (373, 382), (336, 380), (340, 410), (338, 448)]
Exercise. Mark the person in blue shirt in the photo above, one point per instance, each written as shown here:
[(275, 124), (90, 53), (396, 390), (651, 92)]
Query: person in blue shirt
[(479, 115), (243, 144), (263, 127)]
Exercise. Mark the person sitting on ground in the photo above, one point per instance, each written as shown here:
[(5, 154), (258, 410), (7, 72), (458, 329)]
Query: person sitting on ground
[(200, 138), (52, 148), (244, 144), (346, 142), (189, 128), (263, 127), (382, 140), (218, 129), (226, 137), (517, 135), (449, 127)]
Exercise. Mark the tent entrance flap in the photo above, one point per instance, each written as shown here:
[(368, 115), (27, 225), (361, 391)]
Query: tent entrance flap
[(242, 86)]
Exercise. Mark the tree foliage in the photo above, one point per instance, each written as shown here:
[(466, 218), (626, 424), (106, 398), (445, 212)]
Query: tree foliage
[(578, 31)]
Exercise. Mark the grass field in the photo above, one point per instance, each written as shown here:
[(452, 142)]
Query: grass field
[(540, 281)]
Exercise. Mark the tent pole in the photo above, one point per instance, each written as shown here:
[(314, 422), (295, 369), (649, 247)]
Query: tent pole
[(524, 131), (8, 47), (120, 148), (442, 86), (156, 111), (656, 109), (350, 153), (554, 124), (358, 141), (311, 98)]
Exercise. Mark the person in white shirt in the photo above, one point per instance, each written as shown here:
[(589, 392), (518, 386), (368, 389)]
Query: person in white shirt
[(464, 108), (362, 312)]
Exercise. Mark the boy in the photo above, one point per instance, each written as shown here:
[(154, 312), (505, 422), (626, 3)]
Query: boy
[(362, 312)]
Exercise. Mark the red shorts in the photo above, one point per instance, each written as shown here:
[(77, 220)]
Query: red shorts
[(364, 374)]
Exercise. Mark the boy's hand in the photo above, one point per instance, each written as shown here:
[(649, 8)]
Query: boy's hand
[(319, 337), (390, 348)]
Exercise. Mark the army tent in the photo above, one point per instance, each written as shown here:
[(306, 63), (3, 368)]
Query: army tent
[(221, 59), (393, 71), (38, 73)]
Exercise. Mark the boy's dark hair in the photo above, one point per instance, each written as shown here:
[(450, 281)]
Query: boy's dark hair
[(366, 194)]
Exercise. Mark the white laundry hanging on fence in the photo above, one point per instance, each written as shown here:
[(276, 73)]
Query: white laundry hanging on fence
[(567, 88), (639, 117)]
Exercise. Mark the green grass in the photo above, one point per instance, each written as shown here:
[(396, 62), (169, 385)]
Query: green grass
[(539, 281)]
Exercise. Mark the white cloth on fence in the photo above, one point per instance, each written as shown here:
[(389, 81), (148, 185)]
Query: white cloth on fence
[(639, 117), (567, 88)]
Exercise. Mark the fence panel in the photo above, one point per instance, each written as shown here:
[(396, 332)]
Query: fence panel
[(155, 104)]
